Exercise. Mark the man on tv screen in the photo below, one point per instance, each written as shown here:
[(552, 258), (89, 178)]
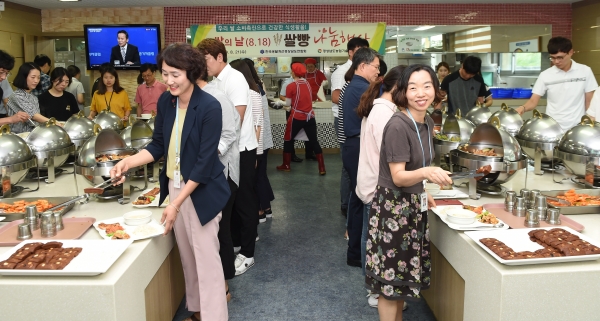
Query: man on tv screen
[(124, 53)]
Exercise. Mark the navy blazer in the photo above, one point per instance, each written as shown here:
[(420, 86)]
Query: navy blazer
[(199, 154)]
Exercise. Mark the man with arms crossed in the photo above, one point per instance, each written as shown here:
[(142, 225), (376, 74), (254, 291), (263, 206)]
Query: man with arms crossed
[(570, 86)]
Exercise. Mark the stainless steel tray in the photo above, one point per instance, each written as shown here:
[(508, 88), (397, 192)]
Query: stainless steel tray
[(592, 209), (53, 200)]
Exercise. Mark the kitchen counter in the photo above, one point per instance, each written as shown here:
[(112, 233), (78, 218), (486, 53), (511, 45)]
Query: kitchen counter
[(145, 283), (469, 284)]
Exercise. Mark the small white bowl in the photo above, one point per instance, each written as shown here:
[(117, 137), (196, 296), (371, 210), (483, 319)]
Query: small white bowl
[(146, 116), (432, 188), (460, 216), (138, 217)]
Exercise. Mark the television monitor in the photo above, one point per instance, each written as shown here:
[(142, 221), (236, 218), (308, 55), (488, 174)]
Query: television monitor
[(106, 44)]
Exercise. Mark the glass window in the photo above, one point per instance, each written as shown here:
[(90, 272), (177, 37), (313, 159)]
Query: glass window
[(528, 61)]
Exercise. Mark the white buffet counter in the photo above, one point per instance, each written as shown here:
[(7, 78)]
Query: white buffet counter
[(138, 286), (493, 291)]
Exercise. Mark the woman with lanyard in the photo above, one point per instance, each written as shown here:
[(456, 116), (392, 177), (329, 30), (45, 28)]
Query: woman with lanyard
[(187, 132), (110, 95), (398, 262), (314, 77), (302, 117)]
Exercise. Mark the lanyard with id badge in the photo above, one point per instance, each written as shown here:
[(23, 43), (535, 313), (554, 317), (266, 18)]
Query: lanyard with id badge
[(177, 172), (423, 196)]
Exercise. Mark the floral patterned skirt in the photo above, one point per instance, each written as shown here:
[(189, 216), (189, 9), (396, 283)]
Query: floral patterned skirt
[(398, 263)]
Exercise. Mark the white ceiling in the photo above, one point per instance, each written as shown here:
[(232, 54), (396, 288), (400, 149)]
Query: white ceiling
[(54, 4)]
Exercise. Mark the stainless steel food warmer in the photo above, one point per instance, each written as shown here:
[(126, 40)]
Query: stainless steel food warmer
[(504, 165), (579, 150), (457, 130), (479, 115), (16, 159), (510, 120), (538, 138), (80, 129), (51, 145), (109, 120)]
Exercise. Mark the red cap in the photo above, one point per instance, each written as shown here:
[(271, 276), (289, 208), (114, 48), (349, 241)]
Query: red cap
[(299, 70), (310, 61)]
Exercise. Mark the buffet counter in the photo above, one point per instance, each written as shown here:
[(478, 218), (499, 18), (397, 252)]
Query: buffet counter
[(469, 284), (145, 283)]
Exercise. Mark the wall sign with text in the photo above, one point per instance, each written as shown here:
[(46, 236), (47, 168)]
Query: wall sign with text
[(290, 39), (531, 45)]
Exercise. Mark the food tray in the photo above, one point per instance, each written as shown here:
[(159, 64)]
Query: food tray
[(74, 228), (130, 229), (477, 226), (53, 200), (592, 209), (96, 257), (518, 240), (519, 222), (453, 193)]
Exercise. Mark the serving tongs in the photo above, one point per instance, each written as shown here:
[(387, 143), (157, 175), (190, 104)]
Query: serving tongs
[(560, 200), (99, 189), (469, 174), (84, 197)]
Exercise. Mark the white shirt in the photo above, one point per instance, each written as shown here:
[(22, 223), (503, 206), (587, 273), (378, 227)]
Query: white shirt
[(338, 81), (566, 92), (234, 85), (594, 109), (75, 88)]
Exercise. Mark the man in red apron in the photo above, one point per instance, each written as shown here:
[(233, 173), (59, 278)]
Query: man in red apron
[(302, 118), (314, 77)]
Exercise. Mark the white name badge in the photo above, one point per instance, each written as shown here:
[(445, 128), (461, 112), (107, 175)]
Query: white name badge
[(423, 202), (177, 179)]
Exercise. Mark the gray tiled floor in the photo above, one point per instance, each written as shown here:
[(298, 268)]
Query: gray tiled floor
[(300, 271)]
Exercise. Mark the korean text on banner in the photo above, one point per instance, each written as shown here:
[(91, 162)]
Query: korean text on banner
[(290, 39)]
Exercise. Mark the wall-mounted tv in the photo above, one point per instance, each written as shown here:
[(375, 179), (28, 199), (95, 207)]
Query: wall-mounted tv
[(123, 46)]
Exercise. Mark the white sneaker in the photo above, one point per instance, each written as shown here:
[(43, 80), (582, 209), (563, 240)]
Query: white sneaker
[(405, 306), (373, 299), (257, 238), (236, 249), (242, 264)]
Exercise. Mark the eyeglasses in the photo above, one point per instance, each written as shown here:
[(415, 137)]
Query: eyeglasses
[(374, 66), (557, 58), (5, 73)]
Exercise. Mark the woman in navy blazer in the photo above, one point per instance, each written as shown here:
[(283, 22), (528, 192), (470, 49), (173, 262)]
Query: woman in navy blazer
[(194, 210)]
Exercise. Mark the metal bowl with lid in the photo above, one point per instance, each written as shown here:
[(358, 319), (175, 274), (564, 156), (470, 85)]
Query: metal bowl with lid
[(538, 138), (510, 120), (479, 114), (504, 164), (100, 154), (151, 121), (79, 128), (580, 147), (16, 159), (137, 135), (439, 117), (51, 145), (109, 120), (456, 130)]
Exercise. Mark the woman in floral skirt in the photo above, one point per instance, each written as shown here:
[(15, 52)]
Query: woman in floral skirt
[(398, 263)]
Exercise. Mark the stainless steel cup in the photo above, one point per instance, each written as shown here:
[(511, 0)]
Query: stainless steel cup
[(23, 232), (553, 216), (532, 196), (31, 211), (33, 222), (540, 201), (510, 197), (519, 211), (48, 230), (526, 194), (58, 221), (531, 218), (47, 218)]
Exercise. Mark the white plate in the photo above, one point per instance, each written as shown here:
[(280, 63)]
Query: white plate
[(477, 226), (131, 230), (154, 203), (2, 218), (95, 258), (453, 193), (519, 241)]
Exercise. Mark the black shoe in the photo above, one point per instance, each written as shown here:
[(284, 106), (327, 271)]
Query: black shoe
[(355, 263), (311, 157), (296, 159), (344, 211), (269, 213), (262, 218)]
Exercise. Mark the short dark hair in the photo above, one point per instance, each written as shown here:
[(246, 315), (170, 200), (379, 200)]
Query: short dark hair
[(59, 73), (20, 80), (242, 67), (184, 57), (123, 32), (472, 65), (382, 67), (73, 70), (146, 66), (7, 61), (364, 55), (559, 44), (388, 84), (356, 42), (102, 87), (213, 47), (41, 60), (399, 97)]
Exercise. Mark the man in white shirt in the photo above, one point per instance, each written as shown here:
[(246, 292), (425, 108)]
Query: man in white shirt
[(76, 87), (569, 86), (244, 217), (594, 110), (337, 82)]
